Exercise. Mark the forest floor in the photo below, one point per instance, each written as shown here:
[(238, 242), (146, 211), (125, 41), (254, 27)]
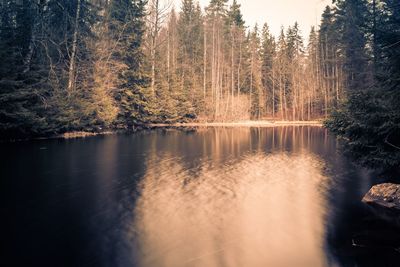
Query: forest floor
[(240, 124)]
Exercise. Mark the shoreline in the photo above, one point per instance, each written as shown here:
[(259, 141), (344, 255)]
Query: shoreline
[(260, 124), (153, 126)]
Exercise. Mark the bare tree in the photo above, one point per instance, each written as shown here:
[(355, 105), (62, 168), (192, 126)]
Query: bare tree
[(72, 63), (158, 12)]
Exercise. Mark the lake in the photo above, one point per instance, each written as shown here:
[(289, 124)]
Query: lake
[(211, 197)]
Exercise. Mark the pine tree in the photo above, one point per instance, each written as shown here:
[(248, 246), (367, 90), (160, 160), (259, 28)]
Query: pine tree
[(190, 56), (332, 58), (268, 72), (313, 69), (294, 53), (216, 15), (350, 20), (22, 87), (235, 32), (126, 18), (369, 121), (254, 82), (282, 64)]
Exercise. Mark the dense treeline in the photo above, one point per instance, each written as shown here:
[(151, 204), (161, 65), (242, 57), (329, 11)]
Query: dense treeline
[(71, 65), (369, 119), (215, 68), (98, 64)]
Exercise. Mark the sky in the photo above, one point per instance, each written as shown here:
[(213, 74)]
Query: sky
[(279, 12)]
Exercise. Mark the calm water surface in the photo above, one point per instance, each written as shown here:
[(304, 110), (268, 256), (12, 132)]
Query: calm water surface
[(222, 197)]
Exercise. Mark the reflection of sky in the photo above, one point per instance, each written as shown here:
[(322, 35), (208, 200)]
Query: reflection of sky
[(280, 12), (254, 209)]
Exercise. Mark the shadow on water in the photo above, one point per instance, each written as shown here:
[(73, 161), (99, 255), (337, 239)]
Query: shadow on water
[(212, 197)]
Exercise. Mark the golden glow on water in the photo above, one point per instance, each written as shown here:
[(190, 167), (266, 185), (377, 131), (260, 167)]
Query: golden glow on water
[(241, 204), (214, 197)]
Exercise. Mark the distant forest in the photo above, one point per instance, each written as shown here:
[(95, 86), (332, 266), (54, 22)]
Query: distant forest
[(92, 65)]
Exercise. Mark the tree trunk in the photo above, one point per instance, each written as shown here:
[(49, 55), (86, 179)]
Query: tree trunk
[(154, 35), (232, 68), (205, 63), (239, 66), (273, 93), (72, 63)]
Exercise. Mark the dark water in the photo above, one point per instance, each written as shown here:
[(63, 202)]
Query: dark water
[(217, 197)]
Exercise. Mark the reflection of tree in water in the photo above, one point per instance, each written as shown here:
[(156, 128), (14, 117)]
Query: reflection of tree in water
[(255, 197), (212, 197), (227, 197), (354, 236), (121, 167)]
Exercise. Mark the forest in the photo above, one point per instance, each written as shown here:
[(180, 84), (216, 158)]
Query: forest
[(141, 133), (93, 65)]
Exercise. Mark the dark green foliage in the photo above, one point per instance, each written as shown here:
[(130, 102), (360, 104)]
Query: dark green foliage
[(21, 78), (294, 42), (190, 54), (234, 16), (36, 39), (218, 6), (62, 70), (350, 25), (370, 120), (369, 128), (21, 110), (268, 52), (126, 20)]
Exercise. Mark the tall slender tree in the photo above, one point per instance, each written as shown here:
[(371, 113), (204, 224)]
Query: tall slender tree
[(268, 54)]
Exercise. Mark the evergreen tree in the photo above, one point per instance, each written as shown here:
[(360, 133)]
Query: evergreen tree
[(81, 65), (216, 16), (295, 55), (282, 63), (332, 58), (313, 68), (22, 81), (294, 42), (126, 18), (268, 76), (254, 82), (190, 56), (369, 121), (235, 33), (235, 17), (350, 23)]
